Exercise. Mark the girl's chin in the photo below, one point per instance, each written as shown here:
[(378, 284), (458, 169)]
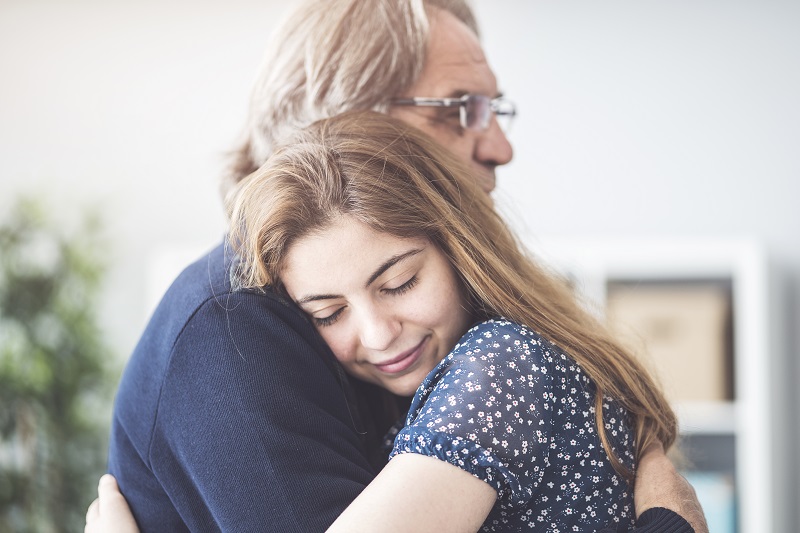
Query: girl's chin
[(407, 387)]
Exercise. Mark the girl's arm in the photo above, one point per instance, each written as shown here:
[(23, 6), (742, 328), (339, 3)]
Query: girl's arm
[(411, 492), (419, 493)]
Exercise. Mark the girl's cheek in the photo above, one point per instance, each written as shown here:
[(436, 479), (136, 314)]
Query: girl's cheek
[(339, 345)]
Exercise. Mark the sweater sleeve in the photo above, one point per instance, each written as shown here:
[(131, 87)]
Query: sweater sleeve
[(235, 421), (657, 520)]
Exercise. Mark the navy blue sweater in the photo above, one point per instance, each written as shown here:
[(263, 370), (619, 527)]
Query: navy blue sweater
[(232, 415)]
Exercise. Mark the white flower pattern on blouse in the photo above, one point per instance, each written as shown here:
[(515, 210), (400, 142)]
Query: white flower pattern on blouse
[(515, 411)]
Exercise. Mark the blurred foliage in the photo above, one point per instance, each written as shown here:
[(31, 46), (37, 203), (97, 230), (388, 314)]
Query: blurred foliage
[(55, 378)]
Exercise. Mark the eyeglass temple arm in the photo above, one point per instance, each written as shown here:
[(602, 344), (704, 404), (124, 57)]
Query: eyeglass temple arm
[(429, 102)]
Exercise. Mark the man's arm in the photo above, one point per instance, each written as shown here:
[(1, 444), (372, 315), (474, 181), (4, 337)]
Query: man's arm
[(658, 484)]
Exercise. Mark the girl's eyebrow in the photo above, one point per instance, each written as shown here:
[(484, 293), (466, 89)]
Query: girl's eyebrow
[(315, 297), (375, 275), (390, 263)]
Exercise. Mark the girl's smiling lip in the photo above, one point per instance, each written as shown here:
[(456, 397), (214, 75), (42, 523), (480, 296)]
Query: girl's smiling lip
[(404, 360)]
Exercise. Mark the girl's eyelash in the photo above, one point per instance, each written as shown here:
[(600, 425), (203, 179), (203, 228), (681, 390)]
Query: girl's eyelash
[(328, 320), (408, 285), (396, 291)]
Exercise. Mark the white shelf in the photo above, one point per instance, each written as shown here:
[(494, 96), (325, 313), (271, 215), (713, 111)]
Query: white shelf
[(592, 263), (706, 418)]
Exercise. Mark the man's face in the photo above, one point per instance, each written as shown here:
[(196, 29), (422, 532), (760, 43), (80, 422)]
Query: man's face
[(456, 66)]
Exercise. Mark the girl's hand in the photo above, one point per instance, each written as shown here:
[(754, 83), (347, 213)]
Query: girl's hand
[(109, 513)]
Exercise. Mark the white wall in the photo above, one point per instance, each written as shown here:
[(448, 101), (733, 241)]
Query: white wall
[(130, 105), (637, 118)]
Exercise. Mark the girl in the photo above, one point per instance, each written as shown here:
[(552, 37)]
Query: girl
[(526, 413), (532, 418)]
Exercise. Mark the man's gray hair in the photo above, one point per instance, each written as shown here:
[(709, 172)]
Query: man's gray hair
[(331, 56)]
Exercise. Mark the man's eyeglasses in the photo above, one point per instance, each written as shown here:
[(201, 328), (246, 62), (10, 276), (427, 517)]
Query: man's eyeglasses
[(475, 110)]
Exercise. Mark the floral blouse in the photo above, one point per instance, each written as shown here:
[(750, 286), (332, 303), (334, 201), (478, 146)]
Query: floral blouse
[(515, 411)]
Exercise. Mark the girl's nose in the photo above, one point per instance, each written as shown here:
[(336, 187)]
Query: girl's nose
[(379, 330)]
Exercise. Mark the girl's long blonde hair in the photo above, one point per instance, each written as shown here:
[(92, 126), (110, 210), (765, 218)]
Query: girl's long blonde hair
[(395, 179)]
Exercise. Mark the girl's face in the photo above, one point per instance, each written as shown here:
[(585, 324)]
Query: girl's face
[(390, 309)]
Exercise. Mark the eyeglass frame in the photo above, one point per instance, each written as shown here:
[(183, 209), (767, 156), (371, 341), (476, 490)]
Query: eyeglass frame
[(462, 102)]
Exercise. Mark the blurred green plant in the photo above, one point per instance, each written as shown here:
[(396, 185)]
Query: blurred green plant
[(55, 377)]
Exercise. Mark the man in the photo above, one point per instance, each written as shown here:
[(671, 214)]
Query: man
[(381, 54), (232, 414)]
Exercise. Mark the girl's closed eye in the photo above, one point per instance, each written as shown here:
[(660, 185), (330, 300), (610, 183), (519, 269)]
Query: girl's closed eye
[(405, 287), (327, 320)]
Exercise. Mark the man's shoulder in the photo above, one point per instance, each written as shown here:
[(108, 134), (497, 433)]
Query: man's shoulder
[(205, 337), (204, 292), (203, 323), (206, 277)]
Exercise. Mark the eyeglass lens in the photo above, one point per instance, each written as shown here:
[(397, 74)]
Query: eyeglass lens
[(477, 112)]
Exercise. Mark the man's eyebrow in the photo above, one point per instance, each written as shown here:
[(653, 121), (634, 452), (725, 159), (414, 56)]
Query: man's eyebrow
[(375, 275), (390, 263), (458, 93)]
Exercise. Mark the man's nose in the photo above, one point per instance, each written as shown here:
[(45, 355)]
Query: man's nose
[(493, 148), (379, 330)]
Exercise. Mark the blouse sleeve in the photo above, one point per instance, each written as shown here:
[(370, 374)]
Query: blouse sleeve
[(487, 408)]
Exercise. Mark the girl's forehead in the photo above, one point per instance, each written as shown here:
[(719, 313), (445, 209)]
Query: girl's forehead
[(343, 249)]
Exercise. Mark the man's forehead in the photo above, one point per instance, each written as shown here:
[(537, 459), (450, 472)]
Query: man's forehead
[(455, 62), (451, 42)]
